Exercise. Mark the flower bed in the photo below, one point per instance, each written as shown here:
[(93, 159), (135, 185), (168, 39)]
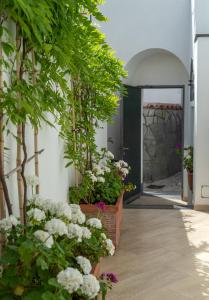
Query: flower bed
[(51, 257), (111, 217)]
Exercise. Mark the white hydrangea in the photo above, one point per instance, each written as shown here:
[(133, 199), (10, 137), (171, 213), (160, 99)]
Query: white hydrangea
[(110, 247), (32, 180), (75, 231), (76, 214), (91, 176), (86, 233), (56, 226), (70, 279), (94, 222), (107, 169), (100, 179), (6, 224), (63, 210), (47, 205), (36, 200), (36, 214), (98, 170), (125, 171), (44, 237), (90, 286), (109, 155), (85, 264)]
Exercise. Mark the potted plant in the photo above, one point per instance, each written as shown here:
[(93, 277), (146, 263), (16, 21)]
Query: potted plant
[(188, 162), (51, 257), (101, 192)]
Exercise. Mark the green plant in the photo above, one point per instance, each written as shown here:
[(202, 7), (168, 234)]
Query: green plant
[(51, 257), (59, 65), (104, 182), (188, 159)]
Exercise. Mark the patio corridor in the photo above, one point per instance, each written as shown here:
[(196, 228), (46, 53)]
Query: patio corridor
[(163, 254)]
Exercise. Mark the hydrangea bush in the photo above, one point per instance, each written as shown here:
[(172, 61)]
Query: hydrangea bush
[(52, 257), (105, 181)]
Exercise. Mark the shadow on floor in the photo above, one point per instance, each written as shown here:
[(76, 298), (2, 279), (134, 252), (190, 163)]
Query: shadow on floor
[(163, 254)]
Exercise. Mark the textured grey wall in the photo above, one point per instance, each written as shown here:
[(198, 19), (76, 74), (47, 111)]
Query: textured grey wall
[(162, 131)]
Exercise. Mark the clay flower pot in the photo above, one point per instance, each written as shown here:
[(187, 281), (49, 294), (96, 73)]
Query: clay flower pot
[(111, 217), (190, 180)]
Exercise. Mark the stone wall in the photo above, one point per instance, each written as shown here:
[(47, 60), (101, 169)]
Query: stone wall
[(162, 130)]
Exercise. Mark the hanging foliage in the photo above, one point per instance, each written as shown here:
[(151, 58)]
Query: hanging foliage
[(60, 66)]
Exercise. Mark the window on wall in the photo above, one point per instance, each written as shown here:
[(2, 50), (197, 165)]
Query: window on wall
[(191, 82)]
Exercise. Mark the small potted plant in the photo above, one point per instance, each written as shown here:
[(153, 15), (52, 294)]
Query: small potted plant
[(101, 192), (188, 162)]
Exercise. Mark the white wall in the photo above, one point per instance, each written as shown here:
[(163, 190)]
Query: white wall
[(138, 25), (173, 96), (201, 107)]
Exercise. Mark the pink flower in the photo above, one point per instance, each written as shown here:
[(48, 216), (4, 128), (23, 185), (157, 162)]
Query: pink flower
[(178, 146), (101, 205), (109, 276)]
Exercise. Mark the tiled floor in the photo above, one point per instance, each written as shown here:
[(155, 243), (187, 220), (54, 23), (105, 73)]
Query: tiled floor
[(163, 255)]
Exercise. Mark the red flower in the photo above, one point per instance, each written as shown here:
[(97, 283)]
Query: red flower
[(101, 205)]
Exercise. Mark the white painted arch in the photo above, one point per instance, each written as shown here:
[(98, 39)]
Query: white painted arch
[(156, 66)]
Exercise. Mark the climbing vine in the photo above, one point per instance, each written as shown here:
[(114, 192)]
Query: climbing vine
[(59, 69)]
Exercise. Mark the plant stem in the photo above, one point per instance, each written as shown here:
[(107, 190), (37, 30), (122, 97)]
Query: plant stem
[(19, 129), (4, 194), (23, 172), (35, 129)]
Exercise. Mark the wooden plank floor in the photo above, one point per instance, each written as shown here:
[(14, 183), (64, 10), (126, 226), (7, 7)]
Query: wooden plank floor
[(163, 255)]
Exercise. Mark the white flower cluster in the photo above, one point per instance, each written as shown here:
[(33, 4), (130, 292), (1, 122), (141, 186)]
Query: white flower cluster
[(44, 237), (122, 167), (75, 231), (35, 214), (108, 244), (58, 209), (32, 180), (72, 280), (90, 286), (97, 174), (77, 216), (56, 226), (110, 247), (6, 224), (86, 233), (109, 155), (85, 264), (94, 222)]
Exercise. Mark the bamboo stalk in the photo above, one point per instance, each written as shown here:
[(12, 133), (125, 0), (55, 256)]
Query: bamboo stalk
[(2, 206), (74, 131), (19, 131), (35, 130)]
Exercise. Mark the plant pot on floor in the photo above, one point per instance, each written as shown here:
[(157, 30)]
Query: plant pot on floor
[(190, 180), (111, 217)]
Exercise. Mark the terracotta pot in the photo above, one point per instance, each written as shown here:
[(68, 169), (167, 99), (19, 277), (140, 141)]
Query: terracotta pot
[(96, 270), (111, 217), (190, 180)]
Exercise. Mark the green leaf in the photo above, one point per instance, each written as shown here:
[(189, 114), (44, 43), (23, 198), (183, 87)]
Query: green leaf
[(40, 262), (53, 282), (7, 48), (33, 295), (48, 296)]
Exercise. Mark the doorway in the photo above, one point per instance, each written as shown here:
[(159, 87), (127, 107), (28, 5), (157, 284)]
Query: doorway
[(153, 125)]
